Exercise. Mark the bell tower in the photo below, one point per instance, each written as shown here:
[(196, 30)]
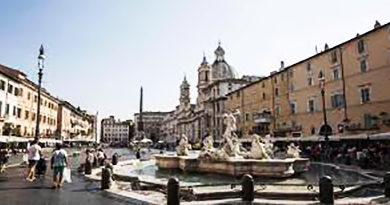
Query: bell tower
[(204, 79), (185, 94)]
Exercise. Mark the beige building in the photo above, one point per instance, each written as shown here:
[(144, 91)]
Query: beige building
[(74, 123), (19, 104), (152, 122), (18, 110), (116, 130), (356, 81)]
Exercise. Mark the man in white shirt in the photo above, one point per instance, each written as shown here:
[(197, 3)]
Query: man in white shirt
[(34, 154)]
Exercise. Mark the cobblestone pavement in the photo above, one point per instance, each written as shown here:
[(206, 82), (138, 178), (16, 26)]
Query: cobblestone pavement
[(14, 189)]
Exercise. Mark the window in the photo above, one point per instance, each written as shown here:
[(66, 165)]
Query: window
[(263, 85), (14, 111), (336, 73), (263, 96), (311, 107), (363, 65), (276, 92), (337, 100), (19, 113), (20, 92), (28, 96), (370, 121), (2, 84), (35, 98), (16, 92), (361, 47), (308, 67), (26, 114), (292, 87), (247, 116), (310, 81), (33, 116), (293, 106), (277, 111), (238, 94), (10, 88), (365, 95), (206, 76), (230, 86), (276, 79), (333, 57), (7, 109), (291, 73), (1, 107)]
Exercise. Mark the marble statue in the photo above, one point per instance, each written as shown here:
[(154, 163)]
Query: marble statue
[(293, 151), (184, 146), (259, 149)]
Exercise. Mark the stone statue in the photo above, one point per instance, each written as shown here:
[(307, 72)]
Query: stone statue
[(293, 151), (184, 146), (260, 149)]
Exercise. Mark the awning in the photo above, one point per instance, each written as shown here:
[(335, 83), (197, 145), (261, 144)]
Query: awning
[(7, 139)]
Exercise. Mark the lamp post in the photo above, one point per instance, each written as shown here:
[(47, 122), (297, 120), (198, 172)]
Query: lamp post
[(41, 65), (325, 130)]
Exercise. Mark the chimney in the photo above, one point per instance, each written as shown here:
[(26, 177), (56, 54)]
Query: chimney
[(377, 24), (281, 65), (326, 47)]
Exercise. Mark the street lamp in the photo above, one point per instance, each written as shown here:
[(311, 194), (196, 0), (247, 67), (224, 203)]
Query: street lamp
[(325, 130), (41, 65)]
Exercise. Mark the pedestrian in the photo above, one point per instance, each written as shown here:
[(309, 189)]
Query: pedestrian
[(58, 163), (101, 156), (88, 162), (34, 154)]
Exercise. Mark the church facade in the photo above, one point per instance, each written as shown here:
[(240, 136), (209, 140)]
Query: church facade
[(215, 81)]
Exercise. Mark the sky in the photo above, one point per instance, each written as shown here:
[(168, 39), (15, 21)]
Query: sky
[(100, 52)]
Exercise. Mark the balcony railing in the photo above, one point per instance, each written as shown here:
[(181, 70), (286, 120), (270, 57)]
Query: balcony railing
[(262, 118)]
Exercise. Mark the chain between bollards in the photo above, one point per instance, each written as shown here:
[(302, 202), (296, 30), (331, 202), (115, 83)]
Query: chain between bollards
[(173, 195)]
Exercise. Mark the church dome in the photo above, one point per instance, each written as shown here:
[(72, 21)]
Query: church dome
[(220, 68)]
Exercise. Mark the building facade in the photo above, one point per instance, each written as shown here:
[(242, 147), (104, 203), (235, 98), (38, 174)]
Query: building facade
[(152, 123), (18, 109), (356, 77), (215, 81), (116, 131)]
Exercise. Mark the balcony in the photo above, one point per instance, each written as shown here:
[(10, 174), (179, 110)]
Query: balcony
[(260, 118)]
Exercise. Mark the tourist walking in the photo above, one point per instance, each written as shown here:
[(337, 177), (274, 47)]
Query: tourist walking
[(34, 154), (58, 163), (101, 156), (88, 162)]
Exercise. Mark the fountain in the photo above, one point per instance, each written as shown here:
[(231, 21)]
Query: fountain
[(230, 158)]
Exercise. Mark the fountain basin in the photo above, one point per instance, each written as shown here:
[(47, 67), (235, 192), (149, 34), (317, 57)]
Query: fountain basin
[(278, 168)]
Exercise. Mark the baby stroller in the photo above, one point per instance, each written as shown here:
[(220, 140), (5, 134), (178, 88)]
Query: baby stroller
[(41, 168)]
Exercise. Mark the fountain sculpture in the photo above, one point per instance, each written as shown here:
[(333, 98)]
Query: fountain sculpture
[(230, 158)]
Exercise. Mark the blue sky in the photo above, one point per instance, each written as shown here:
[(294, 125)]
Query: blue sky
[(99, 52)]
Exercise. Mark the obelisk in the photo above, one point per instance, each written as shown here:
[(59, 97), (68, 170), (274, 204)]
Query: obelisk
[(140, 123)]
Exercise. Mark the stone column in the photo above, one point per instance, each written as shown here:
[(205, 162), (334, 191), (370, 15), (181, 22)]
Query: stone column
[(248, 188), (326, 190), (386, 181), (106, 178), (114, 159), (87, 167), (173, 192)]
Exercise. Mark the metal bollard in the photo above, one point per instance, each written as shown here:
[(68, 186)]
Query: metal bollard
[(326, 195), (106, 178), (115, 159), (88, 167), (386, 181), (248, 188), (173, 192)]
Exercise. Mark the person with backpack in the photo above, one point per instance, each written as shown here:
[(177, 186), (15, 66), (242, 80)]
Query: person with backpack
[(59, 161)]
